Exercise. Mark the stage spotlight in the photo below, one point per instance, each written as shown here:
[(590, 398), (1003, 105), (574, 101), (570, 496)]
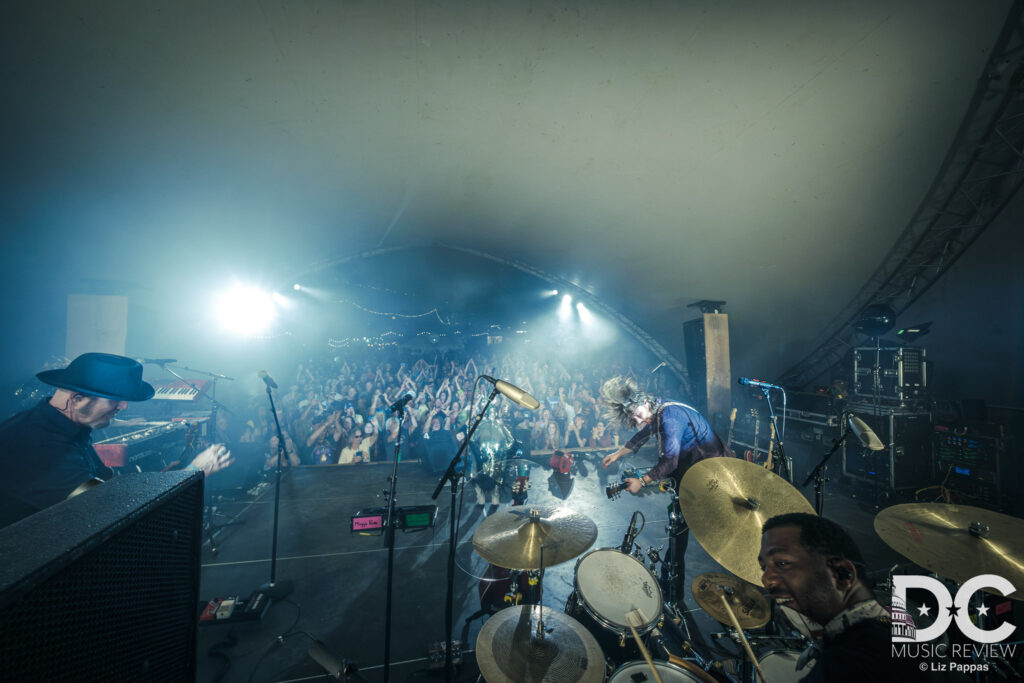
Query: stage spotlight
[(246, 310), (297, 287), (565, 308), (549, 293), (586, 316)]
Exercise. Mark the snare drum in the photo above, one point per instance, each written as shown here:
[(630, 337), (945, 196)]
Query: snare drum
[(639, 672)]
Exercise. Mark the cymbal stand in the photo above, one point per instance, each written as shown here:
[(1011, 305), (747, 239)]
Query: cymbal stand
[(454, 475), (676, 526), (780, 435), (540, 606)]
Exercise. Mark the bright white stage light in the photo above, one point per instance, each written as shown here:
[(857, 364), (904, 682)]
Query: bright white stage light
[(586, 317), (549, 292), (565, 308), (246, 310), (297, 287)]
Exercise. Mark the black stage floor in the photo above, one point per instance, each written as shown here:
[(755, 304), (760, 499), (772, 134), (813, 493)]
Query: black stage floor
[(340, 578)]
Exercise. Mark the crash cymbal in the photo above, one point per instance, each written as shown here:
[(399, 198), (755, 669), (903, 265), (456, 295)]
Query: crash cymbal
[(957, 541), (509, 651), (725, 501), (512, 538), (747, 602)]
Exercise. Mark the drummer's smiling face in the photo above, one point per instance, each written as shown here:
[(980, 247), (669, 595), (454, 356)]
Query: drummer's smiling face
[(797, 576)]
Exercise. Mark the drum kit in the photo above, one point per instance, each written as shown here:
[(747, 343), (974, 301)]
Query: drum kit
[(614, 616)]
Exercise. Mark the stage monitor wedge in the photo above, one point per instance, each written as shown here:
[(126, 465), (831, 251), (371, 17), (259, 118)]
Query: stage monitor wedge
[(104, 587)]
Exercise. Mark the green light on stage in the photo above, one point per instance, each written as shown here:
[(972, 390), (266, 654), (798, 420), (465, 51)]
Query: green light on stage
[(417, 520)]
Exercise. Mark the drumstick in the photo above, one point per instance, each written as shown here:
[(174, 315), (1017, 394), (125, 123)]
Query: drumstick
[(743, 639), (639, 643)]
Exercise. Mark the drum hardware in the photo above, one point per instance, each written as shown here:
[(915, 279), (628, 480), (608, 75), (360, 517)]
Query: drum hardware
[(654, 555), (725, 502), (743, 638)]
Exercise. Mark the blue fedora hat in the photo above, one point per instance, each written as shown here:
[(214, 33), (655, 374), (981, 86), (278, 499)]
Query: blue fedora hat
[(101, 374)]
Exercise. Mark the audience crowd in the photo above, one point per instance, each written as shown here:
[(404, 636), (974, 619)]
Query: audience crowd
[(336, 411)]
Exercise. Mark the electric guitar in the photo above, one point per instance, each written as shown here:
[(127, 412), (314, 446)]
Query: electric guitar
[(751, 455), (613, 491)]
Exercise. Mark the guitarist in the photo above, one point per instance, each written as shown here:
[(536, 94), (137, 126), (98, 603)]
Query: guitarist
[(684, 437)]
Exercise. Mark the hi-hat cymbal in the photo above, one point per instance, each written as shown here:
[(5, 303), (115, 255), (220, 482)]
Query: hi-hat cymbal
[(509, 651), (725, 501), (957, 541), (748, 604), (512, 538)]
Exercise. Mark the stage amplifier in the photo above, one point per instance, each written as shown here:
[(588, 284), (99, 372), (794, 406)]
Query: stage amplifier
[(969, 460), (897, 375)]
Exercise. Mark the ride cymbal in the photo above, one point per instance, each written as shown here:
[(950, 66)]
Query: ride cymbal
[(725, 502), (508, 649), (512, 538), (748, 604), (957, 541)]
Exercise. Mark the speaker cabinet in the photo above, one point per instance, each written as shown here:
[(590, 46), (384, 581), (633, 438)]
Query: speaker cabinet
[(706, 341), (104, 586)]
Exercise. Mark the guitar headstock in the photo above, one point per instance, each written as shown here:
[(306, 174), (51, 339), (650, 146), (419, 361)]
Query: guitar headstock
[(613, 491)]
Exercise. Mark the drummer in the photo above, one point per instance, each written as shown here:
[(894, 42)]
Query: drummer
[(684, 437), (811, 565)]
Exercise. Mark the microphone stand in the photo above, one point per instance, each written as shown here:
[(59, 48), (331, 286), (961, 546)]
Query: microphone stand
[(273, 589), (778, 435), (212, 396), (453, 475), (389, 531), (818, 473)]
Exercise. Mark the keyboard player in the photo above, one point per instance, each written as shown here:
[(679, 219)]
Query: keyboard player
[(46, 452)]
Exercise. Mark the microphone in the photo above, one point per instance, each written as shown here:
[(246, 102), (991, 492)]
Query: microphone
[(267, 379), (659, 366), (867, 437), (631, 533), (157, 361), (400, 403), (514, 393), (747, 382)]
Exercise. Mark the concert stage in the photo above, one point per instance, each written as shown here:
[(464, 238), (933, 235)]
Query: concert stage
[(340, 577)]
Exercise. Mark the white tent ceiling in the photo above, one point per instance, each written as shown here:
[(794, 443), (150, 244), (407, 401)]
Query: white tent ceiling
[(763, 153)]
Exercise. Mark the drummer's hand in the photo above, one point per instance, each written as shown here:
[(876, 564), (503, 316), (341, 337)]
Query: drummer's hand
[(634, 485)]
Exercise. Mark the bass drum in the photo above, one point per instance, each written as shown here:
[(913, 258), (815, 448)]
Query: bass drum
[(640, 672)]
